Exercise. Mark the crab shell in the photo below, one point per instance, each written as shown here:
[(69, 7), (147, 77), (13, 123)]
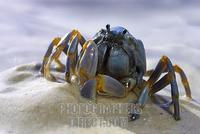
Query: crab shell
[(120, 55)]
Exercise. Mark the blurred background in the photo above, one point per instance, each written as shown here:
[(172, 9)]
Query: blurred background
[(166, 27)]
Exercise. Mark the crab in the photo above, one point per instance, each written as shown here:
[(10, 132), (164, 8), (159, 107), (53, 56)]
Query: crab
[(113, 63)]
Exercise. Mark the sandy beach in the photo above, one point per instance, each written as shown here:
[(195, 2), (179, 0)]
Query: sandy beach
[(31, 104)]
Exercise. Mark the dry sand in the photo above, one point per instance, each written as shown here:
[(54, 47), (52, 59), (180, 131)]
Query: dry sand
[(31, 104)]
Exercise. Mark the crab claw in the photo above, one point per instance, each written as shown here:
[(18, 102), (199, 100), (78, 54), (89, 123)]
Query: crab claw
[(104, 85), (109, 86), (87, 64), (89, 89)]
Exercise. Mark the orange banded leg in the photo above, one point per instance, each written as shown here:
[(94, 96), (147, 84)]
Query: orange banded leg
[(184, 80), (81, 39), (61, 46), (162, 83), (71, 60), (54, 56), (48, 53), (164, 64), (72, 53), (183, 77), (59, 65), (63, 43)]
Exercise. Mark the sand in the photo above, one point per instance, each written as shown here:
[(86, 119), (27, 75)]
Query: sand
[(31, 104)]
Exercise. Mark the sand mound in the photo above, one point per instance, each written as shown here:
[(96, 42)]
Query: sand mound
[(31, 104)]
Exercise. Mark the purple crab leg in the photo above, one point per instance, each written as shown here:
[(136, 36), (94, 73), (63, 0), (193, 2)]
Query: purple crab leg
[(152, 84), (71, 59), (63, 43), (62, 46), (48, 53), (183, 77)]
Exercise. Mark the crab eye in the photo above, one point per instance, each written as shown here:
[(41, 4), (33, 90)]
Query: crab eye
[(124, 31), (108, 27)]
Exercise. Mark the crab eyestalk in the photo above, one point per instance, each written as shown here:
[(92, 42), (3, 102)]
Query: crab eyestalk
[(108, 27), (124, 32)]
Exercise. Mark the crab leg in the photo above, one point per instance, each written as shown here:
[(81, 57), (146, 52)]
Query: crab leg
[(72, 53), (71, 59), (164, 64), (184, 80), (183, 77), (48, 53), (162, 83), (61, 46)]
